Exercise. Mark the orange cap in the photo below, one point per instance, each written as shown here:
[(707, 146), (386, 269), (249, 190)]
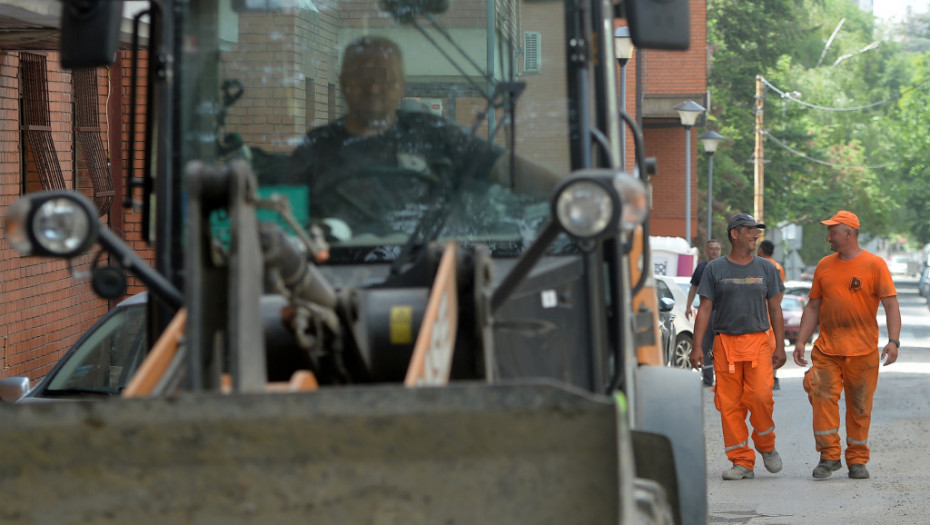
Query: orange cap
[(843, 217)]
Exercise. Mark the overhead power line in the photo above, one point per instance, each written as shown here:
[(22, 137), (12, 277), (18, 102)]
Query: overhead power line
[(792, 98), (789, 96), (818, 161)]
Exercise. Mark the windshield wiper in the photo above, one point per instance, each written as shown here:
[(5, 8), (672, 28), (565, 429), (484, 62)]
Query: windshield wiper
[(79, 391)]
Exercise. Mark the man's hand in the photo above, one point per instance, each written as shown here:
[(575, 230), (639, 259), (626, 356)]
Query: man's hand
[(890, 350), (799, 356), (691, 293), (696, 358), (778, 357)]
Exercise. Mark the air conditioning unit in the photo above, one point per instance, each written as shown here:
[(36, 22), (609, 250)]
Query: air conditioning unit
[(532, 52)]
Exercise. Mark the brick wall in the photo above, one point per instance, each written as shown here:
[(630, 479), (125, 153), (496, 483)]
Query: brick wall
[(43, 308), (669, 72), (675, 72)]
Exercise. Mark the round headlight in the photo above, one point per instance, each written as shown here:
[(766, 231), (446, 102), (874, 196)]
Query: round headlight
[(585, 209), (52, 223), (62, 226)]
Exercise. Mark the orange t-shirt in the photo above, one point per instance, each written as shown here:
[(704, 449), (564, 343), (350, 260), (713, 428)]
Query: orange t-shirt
[(850, 293), (781, 270)]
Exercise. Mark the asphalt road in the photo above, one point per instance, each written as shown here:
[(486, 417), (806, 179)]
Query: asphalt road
[(899, 488)]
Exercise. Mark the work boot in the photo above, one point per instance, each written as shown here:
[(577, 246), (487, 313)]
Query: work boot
[(825, 468), (772, 461), (858, 471), (738, 472), (776, 386)]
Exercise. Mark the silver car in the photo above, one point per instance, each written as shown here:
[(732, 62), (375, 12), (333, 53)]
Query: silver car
[(99, 364), (684, 326)]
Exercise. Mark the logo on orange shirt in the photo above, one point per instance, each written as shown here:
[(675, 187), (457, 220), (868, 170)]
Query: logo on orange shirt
[(855, 284)]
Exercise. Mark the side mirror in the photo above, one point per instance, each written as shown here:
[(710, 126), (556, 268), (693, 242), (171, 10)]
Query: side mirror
[(658, 24), (89, 32), (12, 389), (666, 304)]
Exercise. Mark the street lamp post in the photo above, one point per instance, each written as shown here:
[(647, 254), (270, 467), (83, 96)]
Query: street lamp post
[(710, 140), (623, 49), (688, 112)]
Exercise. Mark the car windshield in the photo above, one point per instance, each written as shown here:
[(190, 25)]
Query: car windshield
[(789, 302), (104, 361), (386, 123)]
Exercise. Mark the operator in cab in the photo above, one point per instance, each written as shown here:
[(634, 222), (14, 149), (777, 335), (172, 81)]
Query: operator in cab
[(380, 167)]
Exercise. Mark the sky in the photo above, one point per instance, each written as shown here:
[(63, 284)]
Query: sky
[(897, 8)]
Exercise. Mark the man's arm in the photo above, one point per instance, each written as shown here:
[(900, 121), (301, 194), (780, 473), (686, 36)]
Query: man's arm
[(809, 321), (893, 322), (701, 323), (691, 294), (530, 178), (777, 320)]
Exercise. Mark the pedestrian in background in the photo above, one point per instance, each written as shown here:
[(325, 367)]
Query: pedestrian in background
[(848, 286), (712, 250), (766, 250), (739, 292)]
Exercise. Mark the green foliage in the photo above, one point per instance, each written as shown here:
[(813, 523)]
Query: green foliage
[(819, 158)]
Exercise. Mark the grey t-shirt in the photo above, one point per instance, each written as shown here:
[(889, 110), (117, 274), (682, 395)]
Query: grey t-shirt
[(739, 293)]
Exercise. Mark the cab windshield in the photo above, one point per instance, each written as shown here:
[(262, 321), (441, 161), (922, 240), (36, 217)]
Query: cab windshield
[(385, 124)]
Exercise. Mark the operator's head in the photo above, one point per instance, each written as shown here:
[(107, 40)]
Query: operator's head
[(766, 248), (372, 82)]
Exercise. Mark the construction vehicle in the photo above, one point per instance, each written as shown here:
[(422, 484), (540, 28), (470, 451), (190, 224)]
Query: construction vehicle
[(452, 347)]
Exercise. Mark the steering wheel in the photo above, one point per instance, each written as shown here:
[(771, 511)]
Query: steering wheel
[(375, 193)]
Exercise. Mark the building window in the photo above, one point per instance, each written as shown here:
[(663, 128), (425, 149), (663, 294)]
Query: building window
[(532, 52), (41, 169)]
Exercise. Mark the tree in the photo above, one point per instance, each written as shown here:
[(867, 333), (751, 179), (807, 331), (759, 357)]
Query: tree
[(830, 108)]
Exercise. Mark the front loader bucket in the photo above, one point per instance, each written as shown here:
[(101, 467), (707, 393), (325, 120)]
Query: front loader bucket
[(461, 454)]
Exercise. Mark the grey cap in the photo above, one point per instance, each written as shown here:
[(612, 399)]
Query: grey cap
[(743, 219)]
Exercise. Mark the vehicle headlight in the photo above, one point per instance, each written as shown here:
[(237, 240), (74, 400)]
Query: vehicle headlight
[(586, 208), (55, 224)]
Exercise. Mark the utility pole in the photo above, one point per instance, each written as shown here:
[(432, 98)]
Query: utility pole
[(759, 156)]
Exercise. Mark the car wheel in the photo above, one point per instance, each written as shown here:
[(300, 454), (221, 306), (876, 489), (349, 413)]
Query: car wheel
[(680, 358)]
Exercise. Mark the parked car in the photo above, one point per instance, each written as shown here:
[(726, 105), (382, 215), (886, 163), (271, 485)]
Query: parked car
[(684, 282), (902, 265), (99, 364), (103, 361), (667, 326), (792, 306), (798, 288), (923, 285), (666, 287)]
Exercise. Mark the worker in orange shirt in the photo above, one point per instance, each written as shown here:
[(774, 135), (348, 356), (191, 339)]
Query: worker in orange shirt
[(848, 286), (740, 291), (766, 250)]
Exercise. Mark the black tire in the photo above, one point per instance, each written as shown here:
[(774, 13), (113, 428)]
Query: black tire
[(681, 354)]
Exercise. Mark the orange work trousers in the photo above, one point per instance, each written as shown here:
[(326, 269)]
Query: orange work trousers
[(744, 386), (828, 376)]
